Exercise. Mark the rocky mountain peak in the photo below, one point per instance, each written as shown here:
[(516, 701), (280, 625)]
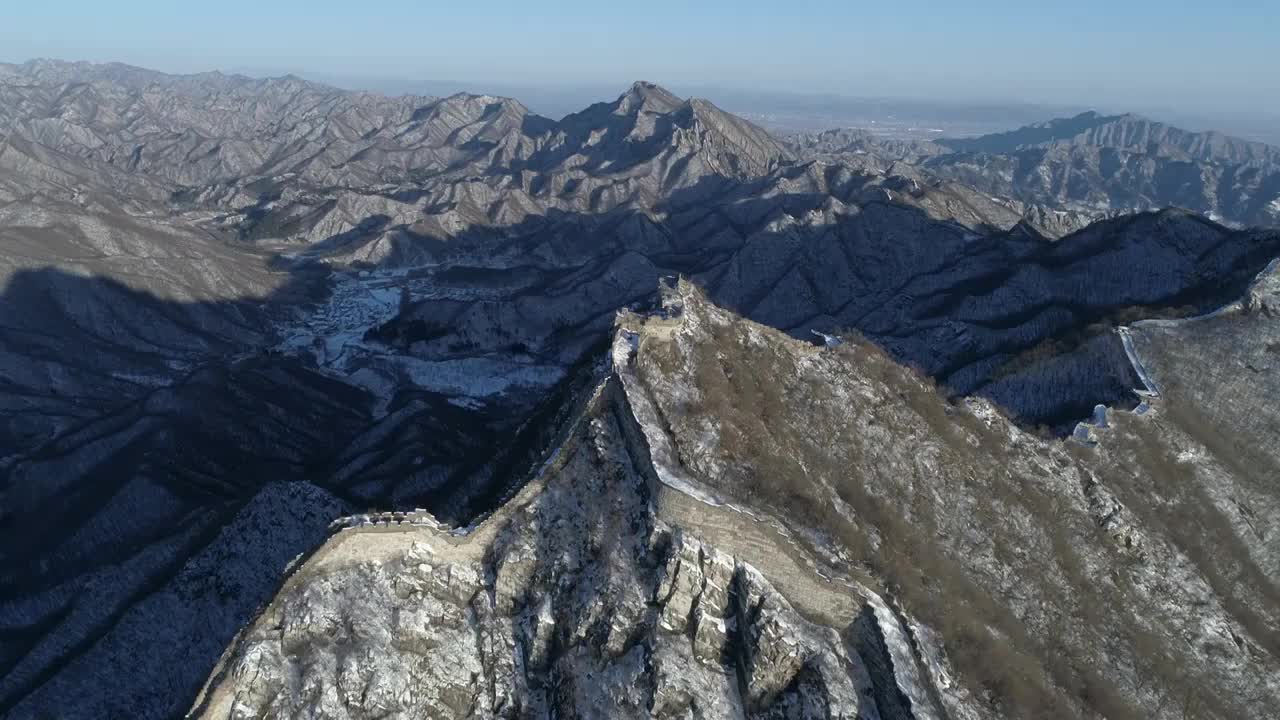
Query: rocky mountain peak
[(732, 524), (645, 96), (854, 464)]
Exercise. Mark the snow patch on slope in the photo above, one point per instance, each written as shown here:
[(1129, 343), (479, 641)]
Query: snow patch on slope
[(476, 377), (662, 452), (333, 334), (333, 331), (906, 673), (1126, 338), (213, 590)]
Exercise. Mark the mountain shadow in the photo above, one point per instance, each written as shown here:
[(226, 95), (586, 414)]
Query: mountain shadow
[(163, 461)]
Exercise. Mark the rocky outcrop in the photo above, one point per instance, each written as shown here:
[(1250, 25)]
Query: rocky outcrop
[(219, 285), (582, 597), (1085, 566), (745, 525)]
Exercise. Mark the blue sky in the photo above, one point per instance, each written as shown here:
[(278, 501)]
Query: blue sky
[(1192, 56)]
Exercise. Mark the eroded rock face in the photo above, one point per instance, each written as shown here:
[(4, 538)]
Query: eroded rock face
[(578, 599), (745, 525), (219, 286)]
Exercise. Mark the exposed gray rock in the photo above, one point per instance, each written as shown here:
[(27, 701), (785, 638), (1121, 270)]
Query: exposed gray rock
[(582, 597), (1088, 568), (746, 525), (215, 285)]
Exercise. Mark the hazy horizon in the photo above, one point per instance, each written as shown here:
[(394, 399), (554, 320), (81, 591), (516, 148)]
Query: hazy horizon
[(1143, 54), (803, 110)]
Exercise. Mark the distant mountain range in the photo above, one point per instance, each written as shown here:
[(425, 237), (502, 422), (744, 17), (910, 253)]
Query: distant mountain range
[(1096, 164), (235, 310), (1131, 133)]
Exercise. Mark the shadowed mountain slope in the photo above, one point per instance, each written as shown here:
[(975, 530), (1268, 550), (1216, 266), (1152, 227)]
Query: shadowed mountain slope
[(227, 301), (741, 524)]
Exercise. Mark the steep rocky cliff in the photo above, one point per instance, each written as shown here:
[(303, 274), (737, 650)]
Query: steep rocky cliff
[(224, 297), (591, 594), (742, 524)]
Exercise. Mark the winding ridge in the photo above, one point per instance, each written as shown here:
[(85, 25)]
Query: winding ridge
[(235, 309)]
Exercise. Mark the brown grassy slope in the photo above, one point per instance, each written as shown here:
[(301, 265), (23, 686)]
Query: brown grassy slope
[(1052, 597)]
